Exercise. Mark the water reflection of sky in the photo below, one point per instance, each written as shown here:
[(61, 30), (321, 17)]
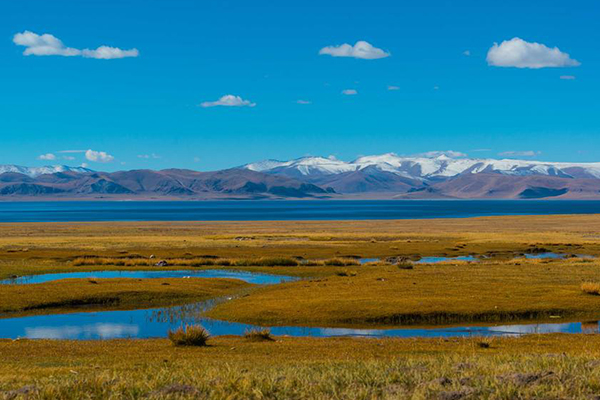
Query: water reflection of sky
[(249, 277), (157, 322), (433, 260), (541, 256)]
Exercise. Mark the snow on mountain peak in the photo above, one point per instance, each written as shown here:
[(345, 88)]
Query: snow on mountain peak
[(427, 166), (37, 171)]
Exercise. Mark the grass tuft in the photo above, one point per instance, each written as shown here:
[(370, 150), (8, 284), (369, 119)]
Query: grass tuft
[(191, 335), (259, 335), (591, 288)]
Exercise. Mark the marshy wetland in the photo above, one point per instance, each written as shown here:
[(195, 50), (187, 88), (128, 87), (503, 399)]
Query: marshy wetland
[(457, 291)]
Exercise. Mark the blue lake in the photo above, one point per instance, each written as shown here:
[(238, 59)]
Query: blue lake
[(282, 210)]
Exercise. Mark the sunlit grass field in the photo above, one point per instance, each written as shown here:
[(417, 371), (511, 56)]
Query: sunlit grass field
[(335, 290), (109, 294), (447, 293), (535, 366)]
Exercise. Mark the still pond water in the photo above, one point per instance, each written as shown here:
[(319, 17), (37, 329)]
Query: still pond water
[(157, 322)]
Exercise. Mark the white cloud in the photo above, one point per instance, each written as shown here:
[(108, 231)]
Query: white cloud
[(447, 153), (303, 102), (467, 53), (43, 45), (528, 153), (47, 157), (228, 100), (361, 49), (392, 87), (148, 156), (196, 159), (69, 158), (436, 87), (567, 77), (521, 54), (349, 92), (98, 156), (109, 53), (84, 165), (50, 45)]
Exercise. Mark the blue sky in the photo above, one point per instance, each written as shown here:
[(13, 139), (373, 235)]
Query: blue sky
[(145, 111)]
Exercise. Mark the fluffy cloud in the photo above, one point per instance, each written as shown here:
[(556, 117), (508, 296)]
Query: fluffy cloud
[(349, 92), (361, 49), (521, 54), (228, 100), (109, 53), (98, 156), (528, 153), (447, 153), (467, 53), (47, 157), (392, 87), (50, 45), (43, 45)]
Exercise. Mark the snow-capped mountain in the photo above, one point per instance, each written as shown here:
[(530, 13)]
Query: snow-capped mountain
[(303, 166), (426, 168), (37, 171)]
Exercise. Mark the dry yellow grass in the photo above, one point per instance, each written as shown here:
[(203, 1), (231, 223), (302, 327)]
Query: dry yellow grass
[(52, 247), (428, 294), (310, 239), (110, 294), (532, 367), (191, 335), (591, 288)]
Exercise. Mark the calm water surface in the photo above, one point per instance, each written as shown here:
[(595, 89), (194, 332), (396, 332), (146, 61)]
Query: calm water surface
[(250, 277), (157, 322), (282, 210)]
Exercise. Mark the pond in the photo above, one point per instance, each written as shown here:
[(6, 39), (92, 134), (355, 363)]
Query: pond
[(250, 277), (433, 260), (157, 322), (546, 255)]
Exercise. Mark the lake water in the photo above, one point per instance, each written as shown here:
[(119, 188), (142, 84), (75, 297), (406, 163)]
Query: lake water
[(157, 322), (250, 277), (282, 210)]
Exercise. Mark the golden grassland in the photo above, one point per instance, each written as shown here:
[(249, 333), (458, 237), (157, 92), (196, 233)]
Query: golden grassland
[(536, 366), (109, 294), (340, 292), (447, 293), (63, 242), (31, 248), (335, 293)]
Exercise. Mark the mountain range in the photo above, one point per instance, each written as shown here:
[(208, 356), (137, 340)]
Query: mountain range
[(386, 176)]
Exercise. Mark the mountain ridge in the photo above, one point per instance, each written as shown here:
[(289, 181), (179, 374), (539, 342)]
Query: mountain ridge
[(385, 176)]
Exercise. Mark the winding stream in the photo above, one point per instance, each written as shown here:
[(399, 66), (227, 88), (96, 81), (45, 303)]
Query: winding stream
[(157, 322), (250, 277)]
